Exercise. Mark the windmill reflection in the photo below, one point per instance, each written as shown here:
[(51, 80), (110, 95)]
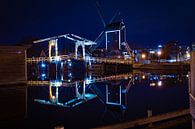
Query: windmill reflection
[(116, 98)]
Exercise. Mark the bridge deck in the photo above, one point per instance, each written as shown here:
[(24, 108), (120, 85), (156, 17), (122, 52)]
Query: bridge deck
[(92, 59)]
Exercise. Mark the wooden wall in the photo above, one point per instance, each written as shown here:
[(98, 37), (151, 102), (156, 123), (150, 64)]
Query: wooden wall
[(12, 64)]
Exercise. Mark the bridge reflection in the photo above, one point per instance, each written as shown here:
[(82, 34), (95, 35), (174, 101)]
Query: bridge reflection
[(85, 90), (80, 97), (110, 90)]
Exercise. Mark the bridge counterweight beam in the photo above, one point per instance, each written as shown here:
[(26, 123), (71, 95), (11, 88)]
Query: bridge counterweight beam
[(83, 46), (53, 43), (76, 48)]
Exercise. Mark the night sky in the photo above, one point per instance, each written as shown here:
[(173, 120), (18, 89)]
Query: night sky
[(148, 22)]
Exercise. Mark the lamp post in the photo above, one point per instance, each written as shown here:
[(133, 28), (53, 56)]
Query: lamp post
[(159, 53), (143, 56)]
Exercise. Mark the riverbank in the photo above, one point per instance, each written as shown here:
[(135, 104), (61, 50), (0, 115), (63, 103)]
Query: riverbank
[(163, 66)]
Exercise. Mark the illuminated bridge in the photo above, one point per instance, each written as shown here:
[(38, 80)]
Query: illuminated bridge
[(127, 57), (89, 59)]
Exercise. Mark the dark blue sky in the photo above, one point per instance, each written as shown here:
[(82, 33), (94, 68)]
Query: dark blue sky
[(148, 22)]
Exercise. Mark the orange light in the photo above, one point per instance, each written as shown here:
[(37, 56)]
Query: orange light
[(143, 56), (152, 84), (53, 97), (159, 53), (188, 55), (143, 77)]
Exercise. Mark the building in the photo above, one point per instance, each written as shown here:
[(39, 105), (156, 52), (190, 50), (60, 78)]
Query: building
[(12, 65)]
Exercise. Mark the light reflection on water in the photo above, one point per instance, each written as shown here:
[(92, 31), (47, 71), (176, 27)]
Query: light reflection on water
[(106, 98)]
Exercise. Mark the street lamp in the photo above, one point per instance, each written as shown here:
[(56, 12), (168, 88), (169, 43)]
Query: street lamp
[(159, 53), (143, 56), (187, 55)]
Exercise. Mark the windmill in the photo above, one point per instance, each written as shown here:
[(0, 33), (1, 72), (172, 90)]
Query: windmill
[(107, 26)]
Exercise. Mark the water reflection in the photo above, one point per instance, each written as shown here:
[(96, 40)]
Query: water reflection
[(119, 94), (160, 78), (81, 96), (86, 90)]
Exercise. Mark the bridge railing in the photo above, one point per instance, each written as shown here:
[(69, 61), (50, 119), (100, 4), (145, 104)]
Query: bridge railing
[(92, 59)]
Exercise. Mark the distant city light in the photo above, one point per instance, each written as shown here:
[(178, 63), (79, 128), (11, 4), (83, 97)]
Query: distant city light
[(159, 46), (152, 52), (152, 84)]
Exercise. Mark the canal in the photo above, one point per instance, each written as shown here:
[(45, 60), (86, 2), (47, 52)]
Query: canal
[(86, 99)]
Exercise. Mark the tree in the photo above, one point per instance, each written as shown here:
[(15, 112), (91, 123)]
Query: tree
[(171, 50)]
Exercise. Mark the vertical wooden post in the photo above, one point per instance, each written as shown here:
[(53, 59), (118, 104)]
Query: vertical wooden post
[(25, 70), (192, 86), (149, 112), (192, 69)]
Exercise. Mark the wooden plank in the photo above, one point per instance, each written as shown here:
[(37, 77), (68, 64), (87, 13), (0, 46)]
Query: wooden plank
[(144, 121)]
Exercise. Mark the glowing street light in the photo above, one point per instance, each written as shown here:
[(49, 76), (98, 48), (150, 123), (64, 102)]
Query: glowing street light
[(187, 55), (159, 53), (143, 56), (143, 77)]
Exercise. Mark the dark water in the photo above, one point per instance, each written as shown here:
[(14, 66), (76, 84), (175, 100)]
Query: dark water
[(91, 103)]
